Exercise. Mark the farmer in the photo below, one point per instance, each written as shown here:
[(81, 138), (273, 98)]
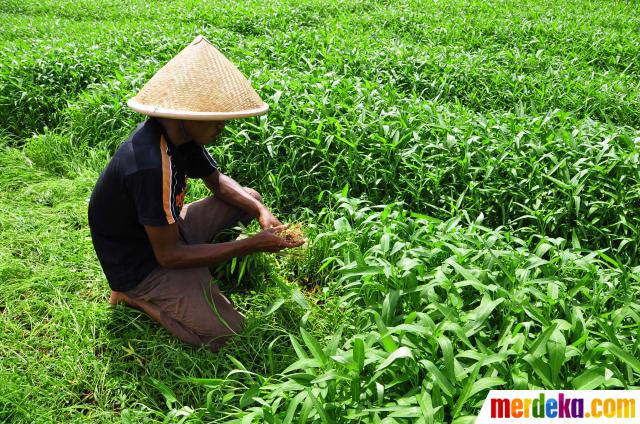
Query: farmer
[(154, 250)]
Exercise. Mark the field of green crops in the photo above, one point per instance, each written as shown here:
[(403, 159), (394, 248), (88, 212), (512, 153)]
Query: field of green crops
[(468, 173)]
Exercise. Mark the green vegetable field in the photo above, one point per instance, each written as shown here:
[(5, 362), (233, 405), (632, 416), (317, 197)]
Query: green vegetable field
[(467, 174)]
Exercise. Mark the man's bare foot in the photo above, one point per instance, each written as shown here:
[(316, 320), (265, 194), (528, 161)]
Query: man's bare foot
[(117, 297), (141, 305)]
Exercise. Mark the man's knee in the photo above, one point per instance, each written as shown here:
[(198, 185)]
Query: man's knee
[(236, 325), (215, 340), (227, 321), (253, 193)]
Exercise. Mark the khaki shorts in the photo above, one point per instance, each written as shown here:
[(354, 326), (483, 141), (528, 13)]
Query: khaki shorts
[(191, 307)]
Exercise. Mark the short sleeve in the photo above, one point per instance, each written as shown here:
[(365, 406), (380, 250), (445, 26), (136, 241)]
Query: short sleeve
[(200, 164), (151, 195)]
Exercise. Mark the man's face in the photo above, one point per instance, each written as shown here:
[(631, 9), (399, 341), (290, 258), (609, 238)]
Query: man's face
[(204, 132)]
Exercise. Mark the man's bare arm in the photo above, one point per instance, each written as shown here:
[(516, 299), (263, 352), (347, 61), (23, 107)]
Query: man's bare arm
[(171, 253), (227, 189)]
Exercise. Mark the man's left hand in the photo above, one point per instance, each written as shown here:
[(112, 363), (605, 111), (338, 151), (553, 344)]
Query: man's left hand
[(267, 220)]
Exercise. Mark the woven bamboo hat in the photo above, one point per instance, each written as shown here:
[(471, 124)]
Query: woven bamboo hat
[(200, 84)]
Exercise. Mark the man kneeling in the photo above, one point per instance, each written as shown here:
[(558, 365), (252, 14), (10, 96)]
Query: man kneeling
[(154, 250)]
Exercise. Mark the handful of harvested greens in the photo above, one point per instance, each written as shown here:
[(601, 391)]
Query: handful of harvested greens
[(292, 234)]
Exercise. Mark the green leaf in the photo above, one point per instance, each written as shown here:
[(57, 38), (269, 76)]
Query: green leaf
[(248, 419), (389, 306), (302, 364), (401, 352), (590, 379), (274, 306), (358, 353), (296, 346), (536, 348), (407, 264), (479, 315), (426, 407), (562, 185), (404, 411), (465, 273), (247, 397), (313, 346), (361, 271), (237, 363), (466, 390), (332, 346), (385, 243), (622, 355), (329, 376), (557, 347), (298, 297), (293, 406), (440, 378), (302, 378), (355, 389), (380, 393), (540, 368), (388, 344), (207, 382), (342, 225), (447, 354), (306, 409), (385, 339), (485, 384), (167, 393), (319, 408)]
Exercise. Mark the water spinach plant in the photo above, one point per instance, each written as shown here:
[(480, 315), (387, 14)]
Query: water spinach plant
[(467, 175)]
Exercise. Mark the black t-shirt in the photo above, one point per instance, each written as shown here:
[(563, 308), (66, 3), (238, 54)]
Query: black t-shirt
[(143, 184)]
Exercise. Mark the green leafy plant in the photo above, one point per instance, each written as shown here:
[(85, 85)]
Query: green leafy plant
[(467, 174)]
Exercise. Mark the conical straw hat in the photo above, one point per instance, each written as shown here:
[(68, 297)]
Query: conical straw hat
[(199, 83)]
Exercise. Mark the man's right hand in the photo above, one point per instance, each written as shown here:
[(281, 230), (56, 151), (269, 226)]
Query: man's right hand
[(269, 241), (170, 252)]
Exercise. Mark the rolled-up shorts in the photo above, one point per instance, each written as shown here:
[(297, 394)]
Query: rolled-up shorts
[(192, 308)]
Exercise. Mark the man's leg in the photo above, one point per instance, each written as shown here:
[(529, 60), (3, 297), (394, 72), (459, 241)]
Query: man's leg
[(184, 301), (173, 326), (188, 305), (202, 220)]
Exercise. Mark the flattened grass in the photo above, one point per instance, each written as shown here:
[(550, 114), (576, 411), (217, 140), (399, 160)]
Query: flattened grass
[(63, 349)]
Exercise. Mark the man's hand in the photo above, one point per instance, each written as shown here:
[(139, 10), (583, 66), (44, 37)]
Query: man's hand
[(267, 220), (269, 240)]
